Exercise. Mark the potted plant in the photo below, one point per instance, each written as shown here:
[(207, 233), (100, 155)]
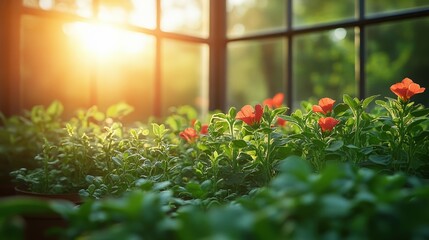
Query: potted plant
[(63, 164), (22, 137), (390, 136)]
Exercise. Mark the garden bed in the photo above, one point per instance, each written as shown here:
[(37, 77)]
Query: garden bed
[(353, 169)]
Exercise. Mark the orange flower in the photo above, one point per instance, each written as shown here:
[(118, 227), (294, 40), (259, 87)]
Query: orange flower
[(406, 89), (328, 123), (325, 106), (249, 115), (189, 134), (274, 102), (281, 122), (204, 129)]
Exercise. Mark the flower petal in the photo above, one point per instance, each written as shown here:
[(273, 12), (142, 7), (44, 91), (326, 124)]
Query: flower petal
[(326, 104), (328, 123), (259, 111), (278, 100), (407, 82), (317, 108)]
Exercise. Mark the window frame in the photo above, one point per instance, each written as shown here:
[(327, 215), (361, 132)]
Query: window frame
[(360, 22), (17, 9), (217, 42)]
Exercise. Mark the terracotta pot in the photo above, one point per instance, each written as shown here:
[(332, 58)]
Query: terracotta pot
[(40, 226), (7, 188)]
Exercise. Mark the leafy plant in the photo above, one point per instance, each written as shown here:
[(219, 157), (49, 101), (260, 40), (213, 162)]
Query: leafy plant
[(64, 163), (22, 136), (297, 204)]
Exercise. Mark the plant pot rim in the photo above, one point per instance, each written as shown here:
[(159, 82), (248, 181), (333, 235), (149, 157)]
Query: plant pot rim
[(73, 197)]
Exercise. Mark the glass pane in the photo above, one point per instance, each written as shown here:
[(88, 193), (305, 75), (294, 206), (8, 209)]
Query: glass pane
[(383, 6), (309, 12), (250, 16), (324, 66), (186, 17), (51, 68), (388, 61), (140, 13), (80, 7), (125, 73), (255, 71), (184, 79), (84, 65)]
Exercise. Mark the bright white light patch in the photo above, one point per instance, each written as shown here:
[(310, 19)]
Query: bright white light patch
[(339, 34), (46, 4)]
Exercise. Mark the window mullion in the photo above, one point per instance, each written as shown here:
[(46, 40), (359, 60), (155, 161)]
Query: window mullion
[(289, 68), (157, 96), (217, 58), (360, 45)]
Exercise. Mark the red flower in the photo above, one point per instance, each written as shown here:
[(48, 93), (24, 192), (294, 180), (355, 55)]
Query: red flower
[(281, 122), (204, 129), (406, 89), (189, 134), (328, 123), (274, 102), (249, 115), (325, 106)]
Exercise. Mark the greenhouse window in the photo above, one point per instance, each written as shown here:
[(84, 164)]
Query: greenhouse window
[(209, 54)]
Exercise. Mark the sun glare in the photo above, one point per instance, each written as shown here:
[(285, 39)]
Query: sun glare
[(103, 40)]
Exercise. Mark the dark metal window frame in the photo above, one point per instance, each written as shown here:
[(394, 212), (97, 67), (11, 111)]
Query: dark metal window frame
[(217, 42), (13, 99), (359, 23)]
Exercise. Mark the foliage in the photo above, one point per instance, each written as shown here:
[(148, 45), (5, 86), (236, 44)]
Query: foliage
[(297, 204), (255, 173), (22, 136), (232, 153), (390, 137), (66, 158)]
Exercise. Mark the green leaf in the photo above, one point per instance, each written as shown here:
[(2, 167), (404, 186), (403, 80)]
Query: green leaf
[(297, 114), (159, 130), (340, 108), (195, 189), (232, 112), (55, 109), (349, 101), (334, 206), (295, 165), (161, 185), (368, 100), (144, 184), (279, 110), (290, 119), (416, 122), (218, 116), (119, 110), (382, 103), (335, 145), (206, 185), (117, 161), (380, 159), (239, 143), (352, 146), (420, 112)]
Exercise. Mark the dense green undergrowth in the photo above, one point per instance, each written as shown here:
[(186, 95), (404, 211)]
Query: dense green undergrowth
[(341, 202), (349, 170)]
